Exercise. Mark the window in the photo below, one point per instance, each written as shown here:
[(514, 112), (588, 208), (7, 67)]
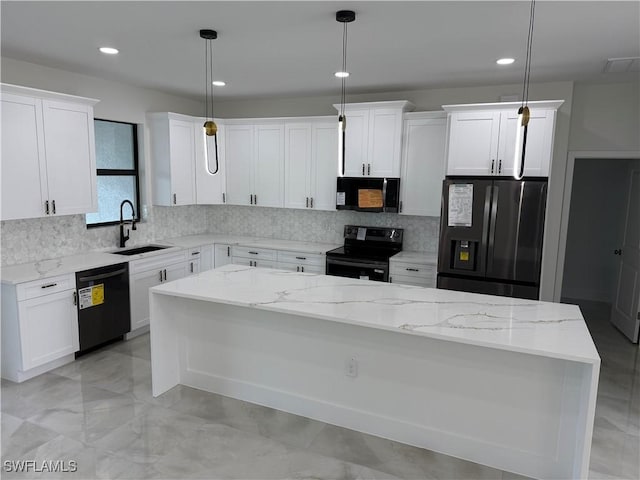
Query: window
[(117, 168)]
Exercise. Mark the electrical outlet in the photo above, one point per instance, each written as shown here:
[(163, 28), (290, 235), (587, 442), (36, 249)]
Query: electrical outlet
[(352, 367)]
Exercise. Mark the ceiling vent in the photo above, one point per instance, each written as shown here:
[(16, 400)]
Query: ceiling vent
[(622, 65)]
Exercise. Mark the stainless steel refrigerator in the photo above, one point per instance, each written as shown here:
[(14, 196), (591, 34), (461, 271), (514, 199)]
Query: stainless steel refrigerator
[(491, 236)]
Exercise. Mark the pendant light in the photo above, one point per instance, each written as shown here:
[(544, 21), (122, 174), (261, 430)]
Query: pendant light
[(523, 111), (344, 17), (210, 129)]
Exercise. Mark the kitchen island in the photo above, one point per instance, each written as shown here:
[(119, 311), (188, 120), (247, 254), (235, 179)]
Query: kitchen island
[(504, 382)]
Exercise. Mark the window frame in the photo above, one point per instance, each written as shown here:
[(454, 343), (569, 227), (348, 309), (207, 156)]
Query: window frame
[(111, 172)]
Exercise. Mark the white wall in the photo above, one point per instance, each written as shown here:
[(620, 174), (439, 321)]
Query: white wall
[(596, 222)]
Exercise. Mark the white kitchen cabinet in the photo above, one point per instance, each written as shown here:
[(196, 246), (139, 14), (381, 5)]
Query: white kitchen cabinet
[(482, 138), (423, 163), (173, 153), (48, 154), (211, 187), (255, 162), (420, 272), (374, 138), (149, 272), (301, 262), (39, 326), (310, 165), (254, 257), (222, 255)]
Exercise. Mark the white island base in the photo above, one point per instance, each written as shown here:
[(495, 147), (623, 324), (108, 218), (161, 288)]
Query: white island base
[(447, 371)]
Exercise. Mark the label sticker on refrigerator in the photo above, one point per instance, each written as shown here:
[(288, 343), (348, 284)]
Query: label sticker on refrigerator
[(464, 256), (340, 198), (91, 296), (460, 208)]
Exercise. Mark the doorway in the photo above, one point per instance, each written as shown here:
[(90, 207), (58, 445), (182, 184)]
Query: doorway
[(596, 228)]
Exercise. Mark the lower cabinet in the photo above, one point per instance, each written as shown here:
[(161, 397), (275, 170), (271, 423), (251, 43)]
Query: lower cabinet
[(301, 262), (149, 272), (221, 255), (412, 273), (254, 257), (39, 326)]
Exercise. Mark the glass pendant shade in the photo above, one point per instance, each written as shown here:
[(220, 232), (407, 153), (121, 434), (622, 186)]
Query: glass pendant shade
[(521, 143)]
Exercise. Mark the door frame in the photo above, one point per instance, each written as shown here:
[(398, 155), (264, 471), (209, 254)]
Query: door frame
[(566, 203)]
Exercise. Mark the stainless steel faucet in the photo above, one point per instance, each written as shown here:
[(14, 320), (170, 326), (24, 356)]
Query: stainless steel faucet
[(123, 237)]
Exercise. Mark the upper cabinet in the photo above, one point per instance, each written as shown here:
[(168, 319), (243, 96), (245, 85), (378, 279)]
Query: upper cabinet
[(482, 138), (310, 163), (173, 159), (48, 154), (374, 138), (210, 184), (423, 163), (254, 162)]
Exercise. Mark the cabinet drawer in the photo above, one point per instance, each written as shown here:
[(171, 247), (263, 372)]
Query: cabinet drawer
[(412, 270), (154, 262), (299, 267), (254, 253), (195, 253), (409, 280), (250, 262), (301, 258), (46, 286)]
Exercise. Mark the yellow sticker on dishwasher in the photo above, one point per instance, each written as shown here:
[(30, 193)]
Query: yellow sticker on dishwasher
[(91, 296), (464, 256)]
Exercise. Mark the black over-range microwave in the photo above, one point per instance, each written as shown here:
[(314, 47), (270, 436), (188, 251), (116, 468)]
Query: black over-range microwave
[(368, 194)]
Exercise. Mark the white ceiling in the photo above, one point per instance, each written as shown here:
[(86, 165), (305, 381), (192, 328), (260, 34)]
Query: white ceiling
[(292, 48)]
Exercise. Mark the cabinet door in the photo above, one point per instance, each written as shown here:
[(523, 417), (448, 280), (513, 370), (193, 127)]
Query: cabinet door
[(423, 166), (48, 328), (539, 143), (473, 143), (71, 161), (297, 164), (385, 137), (324, 165), (268, 164), (177, 270), (239, 163), (206, 258), (356, 143), (210, 187), (24, 173), (222, 255), (181, 157), (139, 285)]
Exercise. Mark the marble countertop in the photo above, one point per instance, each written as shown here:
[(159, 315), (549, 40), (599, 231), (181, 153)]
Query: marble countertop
[(526, 326), (416, 258)]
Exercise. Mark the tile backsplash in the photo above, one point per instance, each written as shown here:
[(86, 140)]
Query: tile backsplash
[(43, 238)]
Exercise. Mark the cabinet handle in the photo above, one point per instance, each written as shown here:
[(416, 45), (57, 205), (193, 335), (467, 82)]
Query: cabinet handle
[(307, 204), (390, 279), (46, 207), (75, 297), (191, 266), (53, 206), (195, 253), (311, 202), (253, 253), (49, 285), (500, 166), (297, 268), (493, 161), (251, 199), (224, 198), (175, 198), (301, 258), (302, 269), (228, 251), (160, 275), (400, 208), (165, 274), (255, 199), (368, 169), (363, 169), (412, 270)]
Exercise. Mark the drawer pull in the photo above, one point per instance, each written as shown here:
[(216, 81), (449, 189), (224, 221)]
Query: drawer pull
[(195, 253), (301, 258), (253, 253), (412, 270), (49, 285)]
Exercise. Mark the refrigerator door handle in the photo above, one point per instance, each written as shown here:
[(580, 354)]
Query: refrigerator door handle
[(485, 228), (492, 224)]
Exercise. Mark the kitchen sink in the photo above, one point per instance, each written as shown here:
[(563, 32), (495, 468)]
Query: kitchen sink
[(137, 250)]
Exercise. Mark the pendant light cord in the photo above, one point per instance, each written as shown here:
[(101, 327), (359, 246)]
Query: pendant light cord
[(344, 68), (206, 80), (527, 64), (210, 42)]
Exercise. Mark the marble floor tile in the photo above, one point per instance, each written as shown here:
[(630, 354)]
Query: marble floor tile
[(99, 411)]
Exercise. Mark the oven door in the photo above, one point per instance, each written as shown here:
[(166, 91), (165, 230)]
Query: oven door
[(362, 269)]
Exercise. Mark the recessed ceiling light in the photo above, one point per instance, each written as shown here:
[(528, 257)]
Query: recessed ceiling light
[(109, 50), (505, 61), (218, 83), (341, 74)]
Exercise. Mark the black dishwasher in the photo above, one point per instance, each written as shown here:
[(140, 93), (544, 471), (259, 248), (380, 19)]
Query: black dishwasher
[(103, 305)]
